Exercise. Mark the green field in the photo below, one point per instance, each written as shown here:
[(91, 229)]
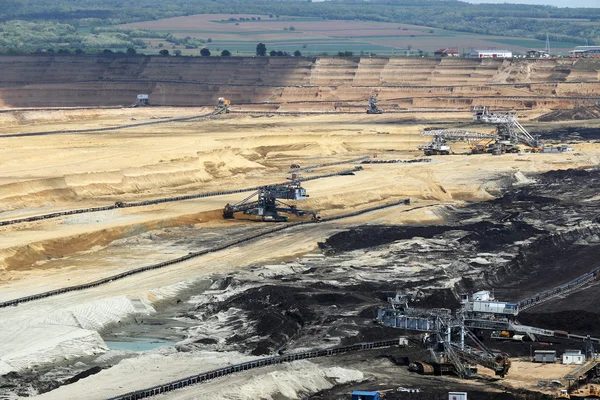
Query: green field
[(314, 36), (534, 44)]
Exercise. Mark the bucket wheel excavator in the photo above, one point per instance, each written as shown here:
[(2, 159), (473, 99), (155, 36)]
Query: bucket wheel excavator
[(373, 108), (509, 135), (222, 106), (268, 205)]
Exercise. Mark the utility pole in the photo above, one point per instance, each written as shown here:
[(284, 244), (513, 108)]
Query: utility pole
[(547, 49)]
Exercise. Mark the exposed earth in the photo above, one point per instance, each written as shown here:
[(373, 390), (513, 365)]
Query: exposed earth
[(516, 224)]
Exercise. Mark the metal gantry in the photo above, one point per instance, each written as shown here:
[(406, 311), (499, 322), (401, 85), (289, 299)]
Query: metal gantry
[(446, 335), (450, 337), (507, 138), (510, 132)]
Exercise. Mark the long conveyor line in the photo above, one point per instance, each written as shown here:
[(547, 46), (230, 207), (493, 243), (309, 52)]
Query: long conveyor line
[(309, 86), (56, 292), (261, 362), (194, 117), (110, 128), (121, 204)]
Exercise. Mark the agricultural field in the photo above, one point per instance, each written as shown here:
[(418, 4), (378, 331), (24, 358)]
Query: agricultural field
[(313, 36)]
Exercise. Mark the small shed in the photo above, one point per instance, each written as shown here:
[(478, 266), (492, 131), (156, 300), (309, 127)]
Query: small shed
[(457, 395), (573, 357), (362, 395), (544, 356)]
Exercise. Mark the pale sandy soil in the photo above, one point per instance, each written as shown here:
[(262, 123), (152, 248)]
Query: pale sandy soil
[(49, 173), (526, 374), (232, 152)]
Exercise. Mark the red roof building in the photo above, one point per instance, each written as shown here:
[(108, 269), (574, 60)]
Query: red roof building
[(446, 53)]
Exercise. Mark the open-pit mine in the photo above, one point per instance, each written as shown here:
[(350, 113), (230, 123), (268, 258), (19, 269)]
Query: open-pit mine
[(242, 228)]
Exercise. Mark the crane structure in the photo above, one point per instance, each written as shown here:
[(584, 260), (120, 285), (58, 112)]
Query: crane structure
[(507, 138), (510, 132), (373, 108), (268, 206), (450, 339)]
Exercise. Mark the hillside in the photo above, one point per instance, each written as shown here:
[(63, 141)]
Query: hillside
[(284, 82)]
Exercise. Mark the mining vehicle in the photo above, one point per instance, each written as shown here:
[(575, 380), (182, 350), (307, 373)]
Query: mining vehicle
[(437, 147), (588, 392), (506, 335), (373, 108), (222, 105), (268, 206)]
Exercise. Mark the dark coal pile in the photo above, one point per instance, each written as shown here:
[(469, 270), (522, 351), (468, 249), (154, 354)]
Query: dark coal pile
[(570, 134), (577, 113), (284, 313), (280, 313), (532, 238), (27, 383), (485, 235), (582, 321), (565, 245)]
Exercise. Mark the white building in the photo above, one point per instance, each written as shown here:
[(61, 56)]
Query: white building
[(584, 51), (491, 54), (573, 357)]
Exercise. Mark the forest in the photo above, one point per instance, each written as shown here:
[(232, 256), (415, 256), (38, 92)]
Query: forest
[(89, 25)]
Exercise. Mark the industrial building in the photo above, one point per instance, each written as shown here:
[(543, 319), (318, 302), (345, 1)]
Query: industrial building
[(446, 53), (583, 51), (544, 356), (491, 54), (538, 54), (573, 357), (484, 302)]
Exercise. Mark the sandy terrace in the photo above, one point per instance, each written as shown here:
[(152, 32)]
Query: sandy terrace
[(83, 170)]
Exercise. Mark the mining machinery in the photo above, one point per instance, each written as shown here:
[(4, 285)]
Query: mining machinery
[(268, 206), (451, 344), (222, 105), (373, 108), (509, 131), (437, 147), (507, 138), (450, 339), (143, 100), (441, 138)]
